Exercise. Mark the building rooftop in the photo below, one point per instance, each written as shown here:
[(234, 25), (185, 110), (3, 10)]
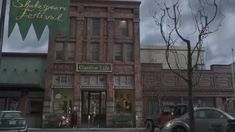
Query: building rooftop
[(161, 47)]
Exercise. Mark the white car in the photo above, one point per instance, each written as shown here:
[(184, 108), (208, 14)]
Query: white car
[(207, 119)]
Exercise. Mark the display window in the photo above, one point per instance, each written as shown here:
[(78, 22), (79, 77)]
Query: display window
[(62, 100), (124, 101)]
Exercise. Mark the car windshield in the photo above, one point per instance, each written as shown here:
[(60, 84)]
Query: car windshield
[(228, 116), (12, 115)]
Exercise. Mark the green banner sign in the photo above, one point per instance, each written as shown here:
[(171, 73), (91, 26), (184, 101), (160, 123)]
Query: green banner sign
[(40, 13), (94, 67)]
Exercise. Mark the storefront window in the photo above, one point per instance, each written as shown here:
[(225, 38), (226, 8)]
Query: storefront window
[(153, 107), (204, 102), (35, 105), (13, 103), (9, 103), (62, 100), (124, 99), (2, 103)]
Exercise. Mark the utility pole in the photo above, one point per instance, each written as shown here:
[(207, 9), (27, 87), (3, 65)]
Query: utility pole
[(233, 72), (2, 20)]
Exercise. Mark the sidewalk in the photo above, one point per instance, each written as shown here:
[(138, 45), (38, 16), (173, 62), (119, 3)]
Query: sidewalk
[(89, 129)]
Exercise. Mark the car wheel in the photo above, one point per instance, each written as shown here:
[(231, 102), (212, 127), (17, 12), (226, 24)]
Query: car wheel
[(179, 129), (149, 126)]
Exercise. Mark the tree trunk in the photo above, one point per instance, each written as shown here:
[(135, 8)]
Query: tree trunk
[(190, 88)]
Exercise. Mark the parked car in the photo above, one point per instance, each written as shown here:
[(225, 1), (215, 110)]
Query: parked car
[(13, 121), (207, 119), (167, 113)]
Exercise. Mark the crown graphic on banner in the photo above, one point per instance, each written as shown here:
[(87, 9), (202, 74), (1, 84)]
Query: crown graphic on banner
[(40, 13)]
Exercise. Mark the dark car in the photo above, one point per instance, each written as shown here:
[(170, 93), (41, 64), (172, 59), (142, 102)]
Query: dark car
[(207, 119), (168, 113), (12, 121)]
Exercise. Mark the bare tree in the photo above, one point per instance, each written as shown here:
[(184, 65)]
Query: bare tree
[(190, 33)]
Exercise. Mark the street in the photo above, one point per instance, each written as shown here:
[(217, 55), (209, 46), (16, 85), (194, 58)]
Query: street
[(88, 130)]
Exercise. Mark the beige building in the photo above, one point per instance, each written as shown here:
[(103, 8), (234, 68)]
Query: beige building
[(157, 54)]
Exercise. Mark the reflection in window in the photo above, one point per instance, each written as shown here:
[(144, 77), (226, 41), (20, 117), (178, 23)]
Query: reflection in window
[(62, 100), (123, 26)]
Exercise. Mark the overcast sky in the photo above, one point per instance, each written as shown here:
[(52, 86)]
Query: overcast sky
[(218, 46)]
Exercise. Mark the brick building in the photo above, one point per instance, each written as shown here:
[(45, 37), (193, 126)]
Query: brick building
[(162, 87), (97, 70)]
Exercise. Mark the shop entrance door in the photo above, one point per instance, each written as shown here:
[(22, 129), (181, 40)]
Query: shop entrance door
[(93, 108)]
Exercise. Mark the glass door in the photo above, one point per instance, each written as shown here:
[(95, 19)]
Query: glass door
[(93, 109)]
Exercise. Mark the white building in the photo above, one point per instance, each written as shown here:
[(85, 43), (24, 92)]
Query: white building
[(177, 57)]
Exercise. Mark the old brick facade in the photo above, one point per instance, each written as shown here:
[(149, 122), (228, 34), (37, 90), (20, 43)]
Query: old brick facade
[(162, 87), (98, 67)]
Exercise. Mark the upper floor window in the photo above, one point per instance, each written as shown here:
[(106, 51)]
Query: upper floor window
[(59, 53), (95, 27), (129, 52), (95, 51), (118, 52), (64, 51), (123, 52), (122, 28), (69, 51)]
